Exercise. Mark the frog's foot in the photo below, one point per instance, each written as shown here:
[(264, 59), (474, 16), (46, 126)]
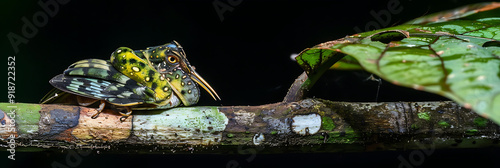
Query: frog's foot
[(99, 110), (126, 114)]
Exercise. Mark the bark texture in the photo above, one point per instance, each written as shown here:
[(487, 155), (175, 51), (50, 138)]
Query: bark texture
[(309, 125)]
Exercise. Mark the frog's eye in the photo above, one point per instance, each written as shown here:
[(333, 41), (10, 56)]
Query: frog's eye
[(172, 59)]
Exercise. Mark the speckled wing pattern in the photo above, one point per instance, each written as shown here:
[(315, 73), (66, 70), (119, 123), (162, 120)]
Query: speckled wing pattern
[(98, 79)]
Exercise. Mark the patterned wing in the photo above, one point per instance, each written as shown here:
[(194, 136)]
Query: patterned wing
[(97, 79)]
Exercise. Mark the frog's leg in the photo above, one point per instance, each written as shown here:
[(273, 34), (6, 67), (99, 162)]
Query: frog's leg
[(126, 114), (99, 110), (84, 101)]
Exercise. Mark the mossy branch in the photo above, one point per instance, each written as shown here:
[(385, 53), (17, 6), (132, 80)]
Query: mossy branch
[(309, 125)]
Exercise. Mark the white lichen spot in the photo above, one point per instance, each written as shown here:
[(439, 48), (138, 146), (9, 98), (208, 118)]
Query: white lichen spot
[(192, 126), (306, 124), (440, 52), (277, 125), (244, 118), (306, 103), (482, 77), (258, 139)]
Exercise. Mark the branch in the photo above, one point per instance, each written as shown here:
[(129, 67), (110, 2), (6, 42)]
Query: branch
[(297, 90), (310, 125)]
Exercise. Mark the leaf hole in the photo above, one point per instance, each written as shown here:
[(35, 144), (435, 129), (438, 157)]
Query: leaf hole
[(388, 36), (492, 44)]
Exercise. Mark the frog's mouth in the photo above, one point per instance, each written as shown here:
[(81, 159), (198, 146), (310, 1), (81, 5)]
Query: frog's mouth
[(204, 84), (198, 79), (185, 86)]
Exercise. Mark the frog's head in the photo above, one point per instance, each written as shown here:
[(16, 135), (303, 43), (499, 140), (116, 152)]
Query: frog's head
[(182, 76)]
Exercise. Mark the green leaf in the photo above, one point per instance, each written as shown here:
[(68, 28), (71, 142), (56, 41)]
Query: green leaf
[(458, 59), (455, 13), (347, 63)]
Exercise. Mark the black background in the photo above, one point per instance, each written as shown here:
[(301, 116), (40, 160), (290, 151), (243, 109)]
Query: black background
[(245, 57)]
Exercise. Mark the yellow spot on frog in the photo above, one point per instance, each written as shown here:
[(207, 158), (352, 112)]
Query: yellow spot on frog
[(135, 69), (141, 75)]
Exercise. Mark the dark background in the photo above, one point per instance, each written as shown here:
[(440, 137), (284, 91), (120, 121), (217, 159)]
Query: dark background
[(245, 57)]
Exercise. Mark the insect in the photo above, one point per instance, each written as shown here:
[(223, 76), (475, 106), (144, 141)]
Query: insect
[(159, 77)]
